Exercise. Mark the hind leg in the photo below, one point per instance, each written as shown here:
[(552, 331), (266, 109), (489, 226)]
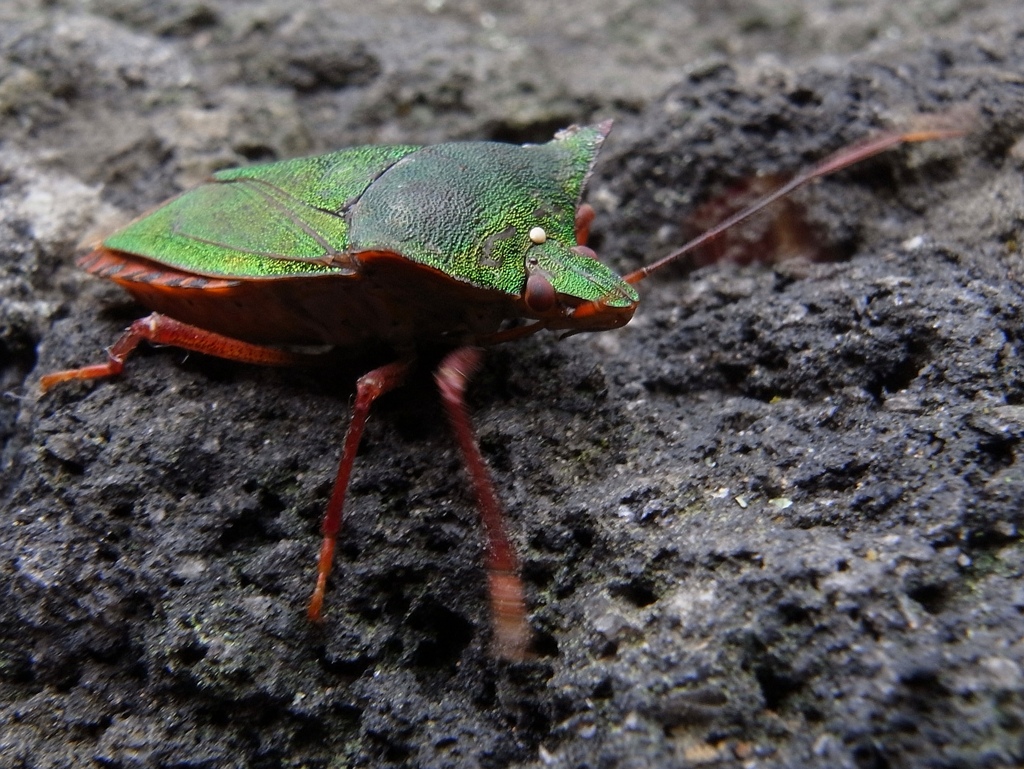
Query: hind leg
[(162, 329)]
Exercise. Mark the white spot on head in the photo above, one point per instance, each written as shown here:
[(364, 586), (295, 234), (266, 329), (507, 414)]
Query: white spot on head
[(538, 236)]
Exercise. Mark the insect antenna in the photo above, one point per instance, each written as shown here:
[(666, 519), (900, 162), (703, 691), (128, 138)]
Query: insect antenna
[(839, 160)]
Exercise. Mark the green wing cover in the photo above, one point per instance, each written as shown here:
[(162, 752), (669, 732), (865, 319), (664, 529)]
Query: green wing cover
[(264, 221)]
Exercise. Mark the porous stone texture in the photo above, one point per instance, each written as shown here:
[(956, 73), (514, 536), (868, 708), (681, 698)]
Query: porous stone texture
[(773, 522)]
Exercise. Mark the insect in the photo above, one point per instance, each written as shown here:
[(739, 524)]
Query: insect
[(463, 244)]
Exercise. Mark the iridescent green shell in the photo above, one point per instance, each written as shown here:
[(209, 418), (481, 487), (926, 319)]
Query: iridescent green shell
[(465, 209)]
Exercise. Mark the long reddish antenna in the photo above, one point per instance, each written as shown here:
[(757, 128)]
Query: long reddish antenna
[(835, 162)]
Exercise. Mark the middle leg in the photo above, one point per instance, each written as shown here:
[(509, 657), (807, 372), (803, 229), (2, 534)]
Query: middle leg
[(369, 387)]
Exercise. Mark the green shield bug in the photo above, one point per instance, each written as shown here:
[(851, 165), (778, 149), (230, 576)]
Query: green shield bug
[(460, 244)]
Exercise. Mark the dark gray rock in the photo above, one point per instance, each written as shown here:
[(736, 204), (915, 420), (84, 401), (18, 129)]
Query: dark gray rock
[(773, 522)]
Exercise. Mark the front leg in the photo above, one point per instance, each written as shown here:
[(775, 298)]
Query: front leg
[(508, 608)]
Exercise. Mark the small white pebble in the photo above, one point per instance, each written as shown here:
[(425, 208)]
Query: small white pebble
[(538, 236), (914, 243)]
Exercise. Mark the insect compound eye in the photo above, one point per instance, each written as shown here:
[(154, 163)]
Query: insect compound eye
[(539, 294)]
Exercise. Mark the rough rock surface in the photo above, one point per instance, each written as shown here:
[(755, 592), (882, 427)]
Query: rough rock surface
[(773, 522)]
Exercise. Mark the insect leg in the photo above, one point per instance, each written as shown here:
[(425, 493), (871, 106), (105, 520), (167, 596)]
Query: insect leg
[(584, 218), (162, 329), (511, 632), (369, 387)]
